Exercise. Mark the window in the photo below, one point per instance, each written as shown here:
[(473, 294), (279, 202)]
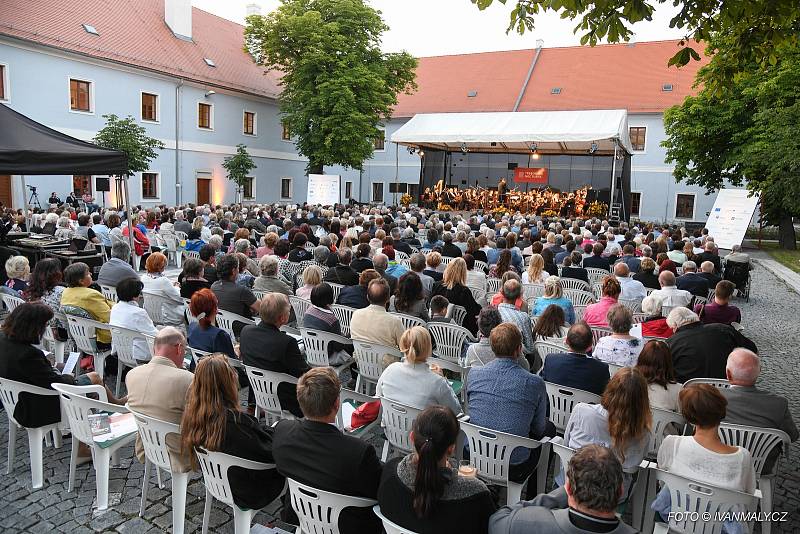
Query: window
[(379, 143), (150, 185), (348, 190), (377, 192), (149, 107), (3, 83), (249, 125), (684, 206), (80, 95), (413, 191), (636, 203), (81, 182), (205, 116), (249, 189), (285, 135), (286, 188), (638, 137)]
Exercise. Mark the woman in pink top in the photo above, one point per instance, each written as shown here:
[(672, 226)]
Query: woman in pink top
[(595, 314)]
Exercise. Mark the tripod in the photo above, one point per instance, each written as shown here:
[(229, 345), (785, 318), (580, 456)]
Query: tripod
[(34, 200)]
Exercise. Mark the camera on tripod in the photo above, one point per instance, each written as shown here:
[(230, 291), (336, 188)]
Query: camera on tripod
[(32, 188)]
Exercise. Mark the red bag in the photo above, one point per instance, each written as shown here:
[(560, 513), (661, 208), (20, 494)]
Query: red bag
[(365, 414)]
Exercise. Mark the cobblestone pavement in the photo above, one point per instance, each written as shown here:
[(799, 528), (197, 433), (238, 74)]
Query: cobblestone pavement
[(770, 318)]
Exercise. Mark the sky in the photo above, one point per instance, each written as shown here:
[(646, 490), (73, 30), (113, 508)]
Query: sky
[(441, 27)]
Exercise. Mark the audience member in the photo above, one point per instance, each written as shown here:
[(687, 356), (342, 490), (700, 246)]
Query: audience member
[(373, 323), (596, 314), (208, 255), (319, 317), (362, 262), (719, 309), (646, 274), (551, 324), (707, 272), (80, 299), (620, 348), (440, 307), (356, 296), (154, 281), (655, 324), (454, 287), (554, 295), (45, 286), (630, 289), (434, 262), (574, 369), (312, 277), (18, 271), (127, 314), (268, 280), (670, 296), (481, 353), (597, 260), (342, 273), (231, 296), (691, 280), (572, 268), (511, 291), (418, 267), (117, 268), (410, 297), (204, 334), (535, 274), (655, 364)]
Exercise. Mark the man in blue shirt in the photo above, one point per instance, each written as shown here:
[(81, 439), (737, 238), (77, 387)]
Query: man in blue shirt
[(503, 396), (573, 368)]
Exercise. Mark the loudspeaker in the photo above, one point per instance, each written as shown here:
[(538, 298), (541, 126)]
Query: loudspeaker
[(101, 184), (512, 165)]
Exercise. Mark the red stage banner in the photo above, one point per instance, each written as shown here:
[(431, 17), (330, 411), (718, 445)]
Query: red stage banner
[(530, 175)]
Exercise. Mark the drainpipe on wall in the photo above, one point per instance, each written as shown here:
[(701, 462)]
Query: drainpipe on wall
[(539, 45), (178, 93)]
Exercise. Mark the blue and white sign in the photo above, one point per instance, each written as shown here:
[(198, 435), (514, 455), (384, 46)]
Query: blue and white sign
[(323, 189), (731, 215)]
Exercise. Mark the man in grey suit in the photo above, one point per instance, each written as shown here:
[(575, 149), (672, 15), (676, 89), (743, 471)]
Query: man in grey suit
[(751, 406)]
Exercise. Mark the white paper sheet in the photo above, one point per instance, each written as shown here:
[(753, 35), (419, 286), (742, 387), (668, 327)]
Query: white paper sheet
[(69, 366)]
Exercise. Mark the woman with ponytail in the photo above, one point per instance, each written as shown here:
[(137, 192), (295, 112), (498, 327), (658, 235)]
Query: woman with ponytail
[(212, 420), (423, 493), (204, 334)]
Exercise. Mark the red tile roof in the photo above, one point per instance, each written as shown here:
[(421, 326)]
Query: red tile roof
[(133, 32), (619, 76)]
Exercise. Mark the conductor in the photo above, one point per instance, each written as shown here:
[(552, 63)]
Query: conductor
[(501, 191)]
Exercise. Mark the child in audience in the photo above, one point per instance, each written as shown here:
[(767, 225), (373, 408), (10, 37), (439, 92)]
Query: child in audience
[(439, 305)]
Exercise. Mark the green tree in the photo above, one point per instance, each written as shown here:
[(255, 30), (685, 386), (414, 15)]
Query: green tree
[(129, 137), (757, 28), (238, 167), (337, 85), (744, 135)]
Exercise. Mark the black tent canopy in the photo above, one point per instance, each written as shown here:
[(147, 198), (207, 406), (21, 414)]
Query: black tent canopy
[(27, 147)]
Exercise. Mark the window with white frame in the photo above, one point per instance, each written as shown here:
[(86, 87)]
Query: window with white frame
[(150, 185), (286, 188), (636, 203), (379, 142), (249, 189), (684, 206), (80, 95), (377, 191), (149, 107), (348, 190), (205, 116), (638, 135), (249, 123), (4, 90)]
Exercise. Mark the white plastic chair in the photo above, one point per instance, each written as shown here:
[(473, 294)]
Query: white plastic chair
[(84, 333), (449, 339), (153, 435), (388, 526), (174, 254), (596, 275), (493, 285), (479, 295), (215, 466), (490, 453), (532, 291), (720, 383), (318, 510), (563, 400), (663, 420), (457, 313), (9, 395), (300, 306), (54, 345), (409, 321), (110, 293), (344, 314), (397, 422), (545, 348), (579, 298), (316, 344), (191, 254), (634, 305), (123, 342), (760, 442), (11, 302), (564, 454), (369, 359), (226, 319), (78, 407), (579, 311), (574, 283), (155, 304), (337, 289), (613, 368), (264, 385), (481, 265), (346, 395), (598, 332)]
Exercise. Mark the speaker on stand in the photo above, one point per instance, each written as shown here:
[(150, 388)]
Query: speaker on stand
[(102, 185)]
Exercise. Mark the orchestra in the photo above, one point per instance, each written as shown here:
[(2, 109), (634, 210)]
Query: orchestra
[(480, 198)]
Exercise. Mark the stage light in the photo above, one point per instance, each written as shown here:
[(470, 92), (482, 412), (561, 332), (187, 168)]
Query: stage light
[(593, 148), (421, 153), (464, 148), (411, 150), (535, 155)]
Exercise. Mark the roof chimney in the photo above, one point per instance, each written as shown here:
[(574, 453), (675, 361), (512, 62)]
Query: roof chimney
[(178, 16), (252, 9), (539, 43)]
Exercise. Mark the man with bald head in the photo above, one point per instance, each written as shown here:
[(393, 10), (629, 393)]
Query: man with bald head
[(373, 323), (669, 294), (751, 406), (631, 289), (707, 272), (380, 263)]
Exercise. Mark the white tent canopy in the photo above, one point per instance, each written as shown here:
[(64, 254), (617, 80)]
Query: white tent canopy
[(553, 132)]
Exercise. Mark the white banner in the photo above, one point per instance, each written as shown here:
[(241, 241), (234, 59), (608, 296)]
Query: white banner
[(731, 215), (323, 189)]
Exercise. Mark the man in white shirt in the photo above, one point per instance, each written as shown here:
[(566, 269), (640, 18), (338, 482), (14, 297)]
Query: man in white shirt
[(631, 289), (373, 323), (669, 295)]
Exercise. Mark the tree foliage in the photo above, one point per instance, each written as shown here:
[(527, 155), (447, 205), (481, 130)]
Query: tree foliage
[(337, 85), (757, 29), (129, 137), (239, 166), (744, 135)]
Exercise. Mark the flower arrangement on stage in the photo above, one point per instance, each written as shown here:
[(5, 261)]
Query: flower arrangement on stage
[(406, 199), (597, 209), (549, 213), (444, 207), (499, 211)]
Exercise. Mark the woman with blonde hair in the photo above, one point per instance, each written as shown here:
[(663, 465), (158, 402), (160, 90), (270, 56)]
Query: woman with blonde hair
[(454, 287), (554, 294), (621, 421), (535, 273), (412, 381), (18, 271), (213, 421), (312, 277), (269, 241)]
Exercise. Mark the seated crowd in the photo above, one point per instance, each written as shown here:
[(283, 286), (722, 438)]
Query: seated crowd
[(632, 346)]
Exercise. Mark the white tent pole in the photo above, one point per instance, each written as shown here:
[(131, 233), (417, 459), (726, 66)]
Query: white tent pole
[(613, 180), (129, 215)]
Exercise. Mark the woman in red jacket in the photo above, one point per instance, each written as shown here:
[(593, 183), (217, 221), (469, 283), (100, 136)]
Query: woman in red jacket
[(655, 325)]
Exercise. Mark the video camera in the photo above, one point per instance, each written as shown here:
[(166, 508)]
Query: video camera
[(32, 188)]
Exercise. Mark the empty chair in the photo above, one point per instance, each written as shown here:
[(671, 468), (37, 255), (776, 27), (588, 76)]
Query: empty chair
[(264, 385), (574, 283), (397, 420), (634, 305), (370, 360), (532, 290), (318, 510), (11, 301), (450, 339), (316, 344), (215, 467), (337, 288), (490, 454), (492, 285), (563, 400), (9, 395), (153, 434), (78, 408), (154, 304), (595, 274), (352, 397)]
